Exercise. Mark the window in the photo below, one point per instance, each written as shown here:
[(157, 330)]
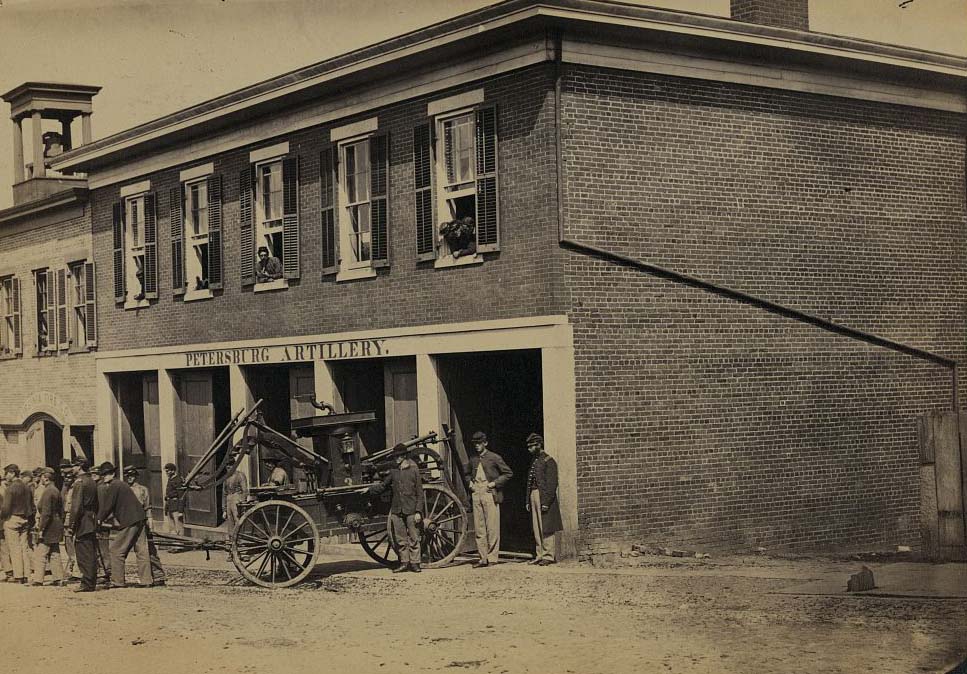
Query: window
[(269, 241), (46, 312), (10, 344), (135, 250), (455, 179), (82, 321), (196, 228), (196, 243)]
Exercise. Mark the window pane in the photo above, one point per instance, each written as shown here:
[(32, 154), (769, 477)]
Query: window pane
[(459, 144)]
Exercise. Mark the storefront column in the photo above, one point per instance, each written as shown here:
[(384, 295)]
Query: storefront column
[(167, 418), (428, 396), (65, 442), (325, 386), (560, 436), (240, 395), (104, 438)]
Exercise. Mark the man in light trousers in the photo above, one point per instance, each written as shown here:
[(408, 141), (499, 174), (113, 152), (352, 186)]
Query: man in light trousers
[(486, 475)]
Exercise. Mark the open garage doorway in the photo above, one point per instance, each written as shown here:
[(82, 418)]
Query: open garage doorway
[(499, 393)]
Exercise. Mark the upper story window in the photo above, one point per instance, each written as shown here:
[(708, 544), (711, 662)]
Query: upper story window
[(65, 308), (455, 179), (81, 321), (135, 247), (46, 311), (10, 337), (196, 233), (269, 218)]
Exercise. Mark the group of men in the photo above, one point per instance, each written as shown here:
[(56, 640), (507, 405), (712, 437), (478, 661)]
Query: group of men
[(486, 475), (98, 518)]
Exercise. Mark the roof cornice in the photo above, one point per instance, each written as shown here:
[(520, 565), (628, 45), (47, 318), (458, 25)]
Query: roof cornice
[(68, 197)]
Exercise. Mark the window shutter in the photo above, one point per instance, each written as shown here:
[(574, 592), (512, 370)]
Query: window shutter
[(327, 190), (119, 251), (176, 206), (150, 247), (90, 312), (51, 309), (215, 274), (290, 217), (246, 237), (62, 325), (488, 229), (379, 198), (17, 338), (422, 172)]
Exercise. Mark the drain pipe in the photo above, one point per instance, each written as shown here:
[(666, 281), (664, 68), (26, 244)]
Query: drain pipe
[(723, 291)]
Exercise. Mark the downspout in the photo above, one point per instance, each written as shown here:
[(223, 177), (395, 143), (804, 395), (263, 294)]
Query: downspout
[(694, 282)]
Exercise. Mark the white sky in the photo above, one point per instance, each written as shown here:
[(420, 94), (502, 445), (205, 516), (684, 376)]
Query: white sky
[(153, 58)]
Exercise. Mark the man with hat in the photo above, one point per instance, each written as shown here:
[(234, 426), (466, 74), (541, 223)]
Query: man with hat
[(83, 524), (120, 505), (103, 535), (144, 498), (50, 529), (407, 508), (16, 512), (277, 475), (542, 501), (486, 475), (175, 500), (66, 491)]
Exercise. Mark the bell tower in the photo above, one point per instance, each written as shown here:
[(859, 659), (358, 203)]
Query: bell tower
[(47, 112)]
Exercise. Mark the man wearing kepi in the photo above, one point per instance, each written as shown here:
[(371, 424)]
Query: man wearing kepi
[(121, 505), (18, 508), (406, 510), (144, 498), (486, 475), (83, 524), (50, 529), (542, 500)]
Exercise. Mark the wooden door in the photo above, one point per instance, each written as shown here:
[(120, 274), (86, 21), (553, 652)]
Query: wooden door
[(943, 482), (151, 477), (399, 398), (196, 432)]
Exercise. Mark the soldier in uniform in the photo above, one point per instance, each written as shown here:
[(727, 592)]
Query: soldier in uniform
[(66, 490), (406, 510), (144, 497), (17, 511), (117, 503), (83, 524), (175, 500), (542, 501), (486, 475), (103, 535), (50, 529)]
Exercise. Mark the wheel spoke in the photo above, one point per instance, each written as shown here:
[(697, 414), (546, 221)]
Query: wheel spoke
[(449, 519), (294, 541), (286, 525), (440, 514), (268, 525), (295, 562), (298, 528), (249, 537), (436, 502), (273, 567), (265, 534), (268, 556)]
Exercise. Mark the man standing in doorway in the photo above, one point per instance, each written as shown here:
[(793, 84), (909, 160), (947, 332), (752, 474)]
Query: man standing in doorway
[(144, 498), (17, 510), (542, 501), (50, 529), (175, 497), (486, 475), (122, 506), (83, 524)]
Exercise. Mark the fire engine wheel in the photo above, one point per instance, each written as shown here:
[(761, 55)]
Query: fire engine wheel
[(275, 544), (444, 527), (430, 463)]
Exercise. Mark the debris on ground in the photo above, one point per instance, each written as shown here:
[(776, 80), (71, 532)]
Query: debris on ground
[(861, 581)]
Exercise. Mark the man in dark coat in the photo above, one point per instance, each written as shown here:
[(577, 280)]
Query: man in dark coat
[(18, 510), (406, 510), (486, 475), (175, 500), (103, 534), (66, 491), (121, 506), (83, 524), (50, 529), (542, 501)]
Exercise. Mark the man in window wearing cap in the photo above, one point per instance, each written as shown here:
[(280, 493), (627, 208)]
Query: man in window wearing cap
[(175, 500), (120, 505), (486, 475), (83, 524), (144, 498), (50, 529), (542, 500), (16, 512)]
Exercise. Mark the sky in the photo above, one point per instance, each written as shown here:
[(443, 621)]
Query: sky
[(153, 58)]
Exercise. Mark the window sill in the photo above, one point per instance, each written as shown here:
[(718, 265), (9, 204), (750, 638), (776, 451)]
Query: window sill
[(354, 274), (195, 295), (268, 286), (9, 356), (136, 304), (446, 261), (79, 349)]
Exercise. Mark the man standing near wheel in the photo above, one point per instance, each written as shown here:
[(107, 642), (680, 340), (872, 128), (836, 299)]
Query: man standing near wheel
[(144, 497), (175, 500), (406, 510), (486, 475)]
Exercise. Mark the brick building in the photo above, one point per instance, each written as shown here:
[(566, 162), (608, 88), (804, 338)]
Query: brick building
[(47, 326), (718, 264)]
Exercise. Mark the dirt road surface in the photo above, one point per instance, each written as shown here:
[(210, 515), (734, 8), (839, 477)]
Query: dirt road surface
[(508, 619)]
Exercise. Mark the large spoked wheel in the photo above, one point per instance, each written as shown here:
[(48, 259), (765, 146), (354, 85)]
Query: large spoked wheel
[(444, 527), (275, 544), (429, 463), (378, 544)]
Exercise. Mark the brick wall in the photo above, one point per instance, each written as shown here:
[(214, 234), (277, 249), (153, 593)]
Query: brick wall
[(524, 279), (707, 420), (782, 13)]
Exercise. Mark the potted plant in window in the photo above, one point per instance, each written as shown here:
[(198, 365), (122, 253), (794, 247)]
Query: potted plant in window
[(460, 235)]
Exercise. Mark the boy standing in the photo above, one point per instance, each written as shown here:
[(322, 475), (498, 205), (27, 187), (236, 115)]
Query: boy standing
[(406, 510)]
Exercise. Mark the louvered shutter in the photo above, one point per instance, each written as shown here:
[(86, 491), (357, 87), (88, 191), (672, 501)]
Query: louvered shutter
[(215, 274), (90, 303), (379, 198), (246, 237), (290, 217), (176, 209), (62, 325), (150, 247), (422, 181), (327, 191), (488, 225), (50, 307), (17, 338), (119, 251)]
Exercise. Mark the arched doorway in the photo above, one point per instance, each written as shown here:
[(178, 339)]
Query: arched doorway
[(45, 440)]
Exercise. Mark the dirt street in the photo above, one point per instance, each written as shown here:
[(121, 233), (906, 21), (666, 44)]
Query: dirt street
[(509, 619)]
